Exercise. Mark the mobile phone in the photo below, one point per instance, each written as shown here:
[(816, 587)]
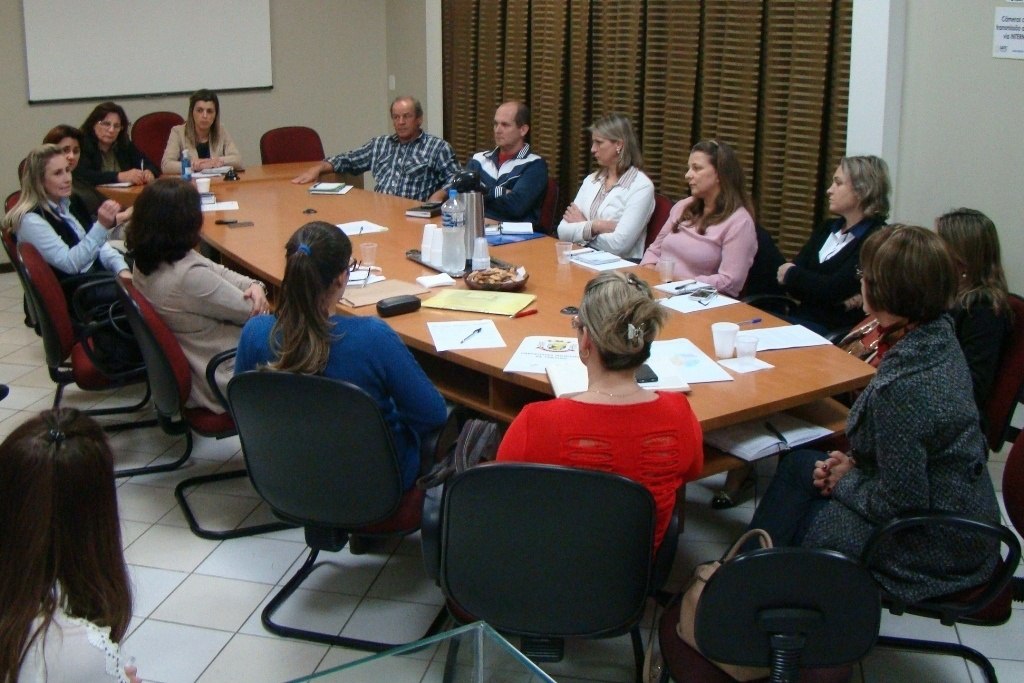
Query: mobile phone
[(644, 374), (704, 295)]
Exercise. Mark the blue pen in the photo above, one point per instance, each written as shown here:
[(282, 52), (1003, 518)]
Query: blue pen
[(752, 321)]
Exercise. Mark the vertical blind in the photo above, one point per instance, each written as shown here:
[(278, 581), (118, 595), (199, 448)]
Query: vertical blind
[(769, 77)]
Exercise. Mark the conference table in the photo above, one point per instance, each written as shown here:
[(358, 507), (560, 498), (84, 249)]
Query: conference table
[(802, 380)]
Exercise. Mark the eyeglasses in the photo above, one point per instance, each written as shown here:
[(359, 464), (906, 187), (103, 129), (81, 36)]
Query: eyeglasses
[(354, 265), (112, 125), (576, 323)]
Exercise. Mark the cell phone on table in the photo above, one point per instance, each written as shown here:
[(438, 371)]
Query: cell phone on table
[(644, 374)]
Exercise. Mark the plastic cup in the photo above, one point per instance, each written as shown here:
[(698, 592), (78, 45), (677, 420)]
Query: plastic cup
[(746, 346), (203, 184), (562, 250), (368, 253), (481, 254), (667, 269), (724, 336)]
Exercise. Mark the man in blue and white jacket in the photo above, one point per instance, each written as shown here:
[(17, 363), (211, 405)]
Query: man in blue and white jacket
[(514, 179)]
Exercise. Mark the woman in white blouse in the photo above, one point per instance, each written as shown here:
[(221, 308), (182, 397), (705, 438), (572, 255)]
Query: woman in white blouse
[(614, 204)]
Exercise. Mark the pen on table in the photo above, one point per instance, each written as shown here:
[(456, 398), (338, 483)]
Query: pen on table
[(468, 336), (776, 433), (752, 321), (523, 314)]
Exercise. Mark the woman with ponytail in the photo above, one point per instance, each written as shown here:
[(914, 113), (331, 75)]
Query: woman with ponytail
[(306, 336), (615, 425)]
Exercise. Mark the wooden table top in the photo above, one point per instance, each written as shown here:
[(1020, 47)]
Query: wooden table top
[(277, 208)]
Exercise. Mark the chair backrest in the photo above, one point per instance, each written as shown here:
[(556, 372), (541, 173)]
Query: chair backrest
[(540, 550), (549, 207), (11, 200), (762, 278), (1008, 388), (788, 589), (290, 143), (317, 450), (1013, 484), (167, 369), (662, 208), (49, 305), (150, 132)]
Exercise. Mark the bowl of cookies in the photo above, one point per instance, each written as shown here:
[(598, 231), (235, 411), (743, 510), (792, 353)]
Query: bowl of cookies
[(498, 279)]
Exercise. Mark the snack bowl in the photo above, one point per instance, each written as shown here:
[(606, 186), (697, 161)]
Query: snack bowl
[(498, 279)]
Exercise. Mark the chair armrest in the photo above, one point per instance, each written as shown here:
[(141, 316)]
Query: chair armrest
[(430, 532), (772, 303), (84, 285), (952, 610), (211, 375)]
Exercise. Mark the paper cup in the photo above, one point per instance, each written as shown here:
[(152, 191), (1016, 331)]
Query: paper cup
[(562, 250), (203, 184), (724, 336)]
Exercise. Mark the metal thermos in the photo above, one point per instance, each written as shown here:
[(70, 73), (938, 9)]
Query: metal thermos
[(468, 185)]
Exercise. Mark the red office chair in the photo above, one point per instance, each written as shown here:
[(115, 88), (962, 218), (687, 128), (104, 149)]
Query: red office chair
[(11, 200), (171, 380), (290, 143), (1013, 498), (1008, 388), (548, 220), (71, 359), (662, 207), (150, 132)]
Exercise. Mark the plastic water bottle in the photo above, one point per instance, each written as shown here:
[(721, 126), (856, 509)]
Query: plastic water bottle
[(186, 165), (453, 250)]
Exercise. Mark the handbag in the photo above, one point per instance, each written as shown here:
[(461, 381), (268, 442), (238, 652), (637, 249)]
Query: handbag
[(477, 442), (691, 596)]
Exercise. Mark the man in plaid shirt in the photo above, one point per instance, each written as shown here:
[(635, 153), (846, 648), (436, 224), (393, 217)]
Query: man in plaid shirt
[(409, 163)]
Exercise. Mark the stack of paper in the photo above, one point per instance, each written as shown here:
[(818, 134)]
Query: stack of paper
[(760, 438), (571, 378), (329, 188)]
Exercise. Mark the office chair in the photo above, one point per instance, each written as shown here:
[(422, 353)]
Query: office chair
[(548, 219), (151, 131), (777, 608), (547, 553), (290, 143), (70, 354), (319, 452), (989, 604), (1013, 498), (662, 208), (1008, 387)]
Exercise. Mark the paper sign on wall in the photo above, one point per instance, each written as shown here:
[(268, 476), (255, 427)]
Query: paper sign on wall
[(1008, 39)]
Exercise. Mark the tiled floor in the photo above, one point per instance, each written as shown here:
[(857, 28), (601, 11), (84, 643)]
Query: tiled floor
[(197, 602)]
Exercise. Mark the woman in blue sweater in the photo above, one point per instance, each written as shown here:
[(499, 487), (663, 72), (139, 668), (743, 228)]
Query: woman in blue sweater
[(307, 337)]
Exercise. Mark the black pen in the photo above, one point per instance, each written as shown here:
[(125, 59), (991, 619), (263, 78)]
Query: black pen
[(775, 432), (468, 336)]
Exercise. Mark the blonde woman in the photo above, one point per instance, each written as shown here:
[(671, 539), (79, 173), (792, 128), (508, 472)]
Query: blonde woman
[(615, 202)]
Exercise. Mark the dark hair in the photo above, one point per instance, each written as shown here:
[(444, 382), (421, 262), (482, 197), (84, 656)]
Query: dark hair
[(165, 224), (203, 95), (869, 178), (908, 272), (732, 193), (59, 532), (974, 241), (315, 255), (98, 114), (622, 317), (522, 113), (59, 132)]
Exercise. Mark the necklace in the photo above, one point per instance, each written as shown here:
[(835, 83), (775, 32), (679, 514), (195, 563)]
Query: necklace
[(634, 390)]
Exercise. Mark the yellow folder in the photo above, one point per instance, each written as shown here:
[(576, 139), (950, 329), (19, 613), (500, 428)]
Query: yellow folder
[(480, 301)]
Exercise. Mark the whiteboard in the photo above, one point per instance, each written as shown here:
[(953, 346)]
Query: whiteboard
[(102, 49)]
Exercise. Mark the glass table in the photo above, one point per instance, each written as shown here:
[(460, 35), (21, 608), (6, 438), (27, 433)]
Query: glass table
[(474, 653)]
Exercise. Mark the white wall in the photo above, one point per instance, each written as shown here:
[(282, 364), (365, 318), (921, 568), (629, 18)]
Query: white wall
[(960, 141), (329, 67)]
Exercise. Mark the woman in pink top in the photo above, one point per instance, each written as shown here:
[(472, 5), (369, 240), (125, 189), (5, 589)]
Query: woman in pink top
[(710, 235)]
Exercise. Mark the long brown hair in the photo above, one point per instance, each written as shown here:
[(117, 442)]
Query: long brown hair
[(301, 338), (203, 95), (732, 194), (98, 114), (59, 532), (165, 225), (972, 237)]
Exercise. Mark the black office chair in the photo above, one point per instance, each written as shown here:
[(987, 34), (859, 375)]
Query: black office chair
[(547, 553), (989, 604), (321, 455), (778, 608)]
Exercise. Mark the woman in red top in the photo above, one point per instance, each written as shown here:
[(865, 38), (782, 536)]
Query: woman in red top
[(615, 426)]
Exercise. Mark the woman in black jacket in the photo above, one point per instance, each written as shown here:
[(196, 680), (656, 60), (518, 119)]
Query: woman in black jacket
[(108, 156)]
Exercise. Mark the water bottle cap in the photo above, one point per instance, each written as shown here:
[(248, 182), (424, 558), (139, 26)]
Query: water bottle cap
[(452, 192)]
